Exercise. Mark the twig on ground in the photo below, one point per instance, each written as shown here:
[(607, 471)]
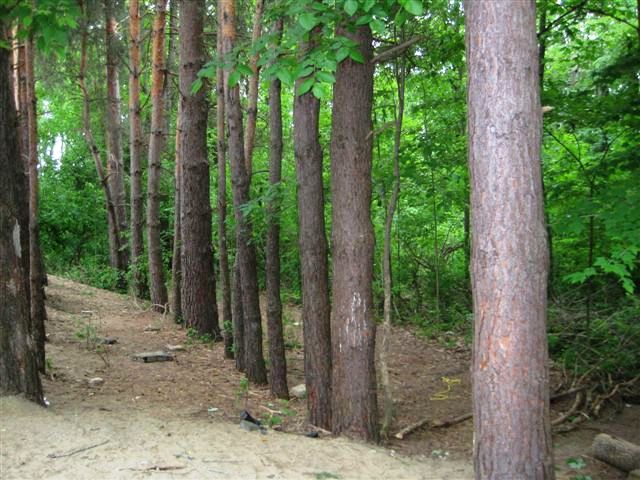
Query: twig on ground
[(77, 450)]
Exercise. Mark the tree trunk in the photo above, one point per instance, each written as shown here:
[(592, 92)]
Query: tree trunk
[(156, 145), (509, 250), (136, 142), (199, 307), (313, 257), (176, 261), (114, 228), (246, 254), (37, 278), (277, 359), (18, 357), (238, 319), (386, 258), (115, 165), (225, 281), (252, 110), (353, 328)]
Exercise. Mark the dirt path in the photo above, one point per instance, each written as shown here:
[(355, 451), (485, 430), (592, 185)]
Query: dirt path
[(179, 419)]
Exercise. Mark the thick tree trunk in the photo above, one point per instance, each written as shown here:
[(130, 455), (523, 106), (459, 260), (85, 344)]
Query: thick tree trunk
[(199, 307), (509, 246), (223, 254), (18, 356), (176, 261), (113, 232), (386, 256), (136, 143), (115, 165), (156, 145), (277, 359), (246, 254), (37, 278), (353, 328), (252, 110), (316, 308)]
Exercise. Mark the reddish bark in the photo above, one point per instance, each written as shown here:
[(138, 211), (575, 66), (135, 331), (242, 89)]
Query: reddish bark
[(509, 246), (353, 328)]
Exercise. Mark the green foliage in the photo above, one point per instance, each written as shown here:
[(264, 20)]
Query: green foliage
[(194, 336), (50, 22)]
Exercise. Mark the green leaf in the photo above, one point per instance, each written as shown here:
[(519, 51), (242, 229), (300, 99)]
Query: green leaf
[(414, 7), (576, 463), (325, 77), (351, 7), (318, 91), (342, 53), (305, 86), (244, 70), (378, 26), (368, 4), (308, 21), (196, 86), (356, 55), (304, 72), (234, 78), (284, 76), (364, 20)]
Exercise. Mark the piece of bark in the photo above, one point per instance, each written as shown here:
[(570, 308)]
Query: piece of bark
[(619, 453)]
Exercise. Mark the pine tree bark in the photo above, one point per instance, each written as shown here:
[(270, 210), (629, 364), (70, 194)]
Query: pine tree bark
[(18, 356), (509, 246), (252, 110), (136, 146), (37, 277), (223, 254), (157, 142), (277, 358), (112, 220), (199, 307), (314, 268), (240, 181), (176, 261), (353, 328), (115, 165)]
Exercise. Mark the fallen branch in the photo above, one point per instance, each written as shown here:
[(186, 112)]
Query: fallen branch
[(436, 424), (571, 411), (461, 418), (77, 450)]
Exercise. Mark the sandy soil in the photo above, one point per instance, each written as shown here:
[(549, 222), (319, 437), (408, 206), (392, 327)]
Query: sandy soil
[(180, 419)]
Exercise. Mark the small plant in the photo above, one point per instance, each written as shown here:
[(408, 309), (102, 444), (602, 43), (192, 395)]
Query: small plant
[(243, 391), (194, 336), (89, 333), (292, 344), (326, 475), (271, 420)]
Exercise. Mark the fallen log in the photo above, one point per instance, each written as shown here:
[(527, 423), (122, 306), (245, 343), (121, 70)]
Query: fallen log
[(616, 452)]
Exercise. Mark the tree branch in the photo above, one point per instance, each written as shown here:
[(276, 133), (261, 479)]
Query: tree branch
[(396, 51)]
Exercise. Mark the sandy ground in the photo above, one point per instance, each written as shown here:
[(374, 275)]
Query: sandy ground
[(180, 419), (138, 444)]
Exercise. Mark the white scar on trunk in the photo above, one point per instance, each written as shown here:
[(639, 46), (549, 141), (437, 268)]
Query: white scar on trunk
[(354, 328), (16, 240)]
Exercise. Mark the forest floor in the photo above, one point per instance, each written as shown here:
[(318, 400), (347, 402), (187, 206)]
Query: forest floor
[(180, 419)]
